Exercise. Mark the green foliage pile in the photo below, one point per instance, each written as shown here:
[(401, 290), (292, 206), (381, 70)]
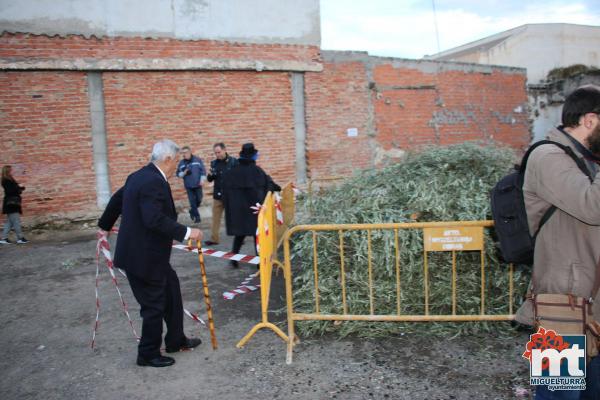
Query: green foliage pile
[(437, 184)]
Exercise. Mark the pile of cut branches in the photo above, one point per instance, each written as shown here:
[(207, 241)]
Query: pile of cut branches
[(436, 184)]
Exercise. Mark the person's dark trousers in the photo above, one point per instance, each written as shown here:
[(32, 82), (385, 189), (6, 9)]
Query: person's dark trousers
[(158, 300), (592, 386), (195, 198), (238, 242)]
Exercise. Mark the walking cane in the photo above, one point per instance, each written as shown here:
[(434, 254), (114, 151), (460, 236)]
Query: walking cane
[(211, 323)]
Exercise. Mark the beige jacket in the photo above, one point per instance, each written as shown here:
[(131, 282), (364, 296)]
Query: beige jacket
[(568, 245)]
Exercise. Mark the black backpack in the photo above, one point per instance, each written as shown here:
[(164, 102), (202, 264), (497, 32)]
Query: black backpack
[(508, 210)]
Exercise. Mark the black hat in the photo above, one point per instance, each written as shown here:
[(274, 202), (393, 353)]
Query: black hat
[(248, 150)]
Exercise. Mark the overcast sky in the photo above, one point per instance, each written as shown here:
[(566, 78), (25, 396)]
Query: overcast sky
[(405, 28)]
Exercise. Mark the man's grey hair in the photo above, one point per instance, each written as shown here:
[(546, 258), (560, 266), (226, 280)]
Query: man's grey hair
[(164, 149)]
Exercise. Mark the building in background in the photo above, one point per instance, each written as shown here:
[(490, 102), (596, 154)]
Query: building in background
[(537, 47), (86, 87), (546, 51)]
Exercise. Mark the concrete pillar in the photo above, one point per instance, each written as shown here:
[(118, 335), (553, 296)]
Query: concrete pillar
[(299, 126), (100, 148)]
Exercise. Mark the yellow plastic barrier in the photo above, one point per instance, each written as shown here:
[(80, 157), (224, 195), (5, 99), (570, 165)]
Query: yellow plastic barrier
[(437, 236), (288, 208), (267, 240)]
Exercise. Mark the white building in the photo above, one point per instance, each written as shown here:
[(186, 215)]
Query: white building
[(537, 47)]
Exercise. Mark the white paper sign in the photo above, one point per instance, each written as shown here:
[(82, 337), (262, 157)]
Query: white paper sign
[(352, 132)]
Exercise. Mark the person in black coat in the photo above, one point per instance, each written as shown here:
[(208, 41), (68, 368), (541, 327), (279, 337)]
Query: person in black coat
[(11, 206), (243, 186), (148, 227), (221, 164)]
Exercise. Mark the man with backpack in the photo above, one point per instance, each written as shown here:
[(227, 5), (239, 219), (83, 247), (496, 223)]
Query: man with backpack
[(561, 194)]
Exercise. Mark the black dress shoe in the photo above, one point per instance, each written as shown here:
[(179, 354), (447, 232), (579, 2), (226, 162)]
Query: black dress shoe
[(210, 243), (188, 344), (160, 361)]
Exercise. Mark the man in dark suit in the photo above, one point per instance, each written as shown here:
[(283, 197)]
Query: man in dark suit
[(148, 228)]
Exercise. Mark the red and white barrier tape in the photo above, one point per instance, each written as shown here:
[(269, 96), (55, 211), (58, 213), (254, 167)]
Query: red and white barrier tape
[(256, 239), (194, 317), (278, 210), (243, 288), (221, 254), (104, 248), (188, 313), (216, 253)]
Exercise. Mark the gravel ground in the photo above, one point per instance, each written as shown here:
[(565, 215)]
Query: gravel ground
[(47, 297)]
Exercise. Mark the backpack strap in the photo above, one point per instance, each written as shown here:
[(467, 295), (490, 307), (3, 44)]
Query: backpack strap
[(578, 161), (567, 149)]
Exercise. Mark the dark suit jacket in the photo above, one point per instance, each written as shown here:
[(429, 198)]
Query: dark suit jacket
[(148, 224), (243, 186)]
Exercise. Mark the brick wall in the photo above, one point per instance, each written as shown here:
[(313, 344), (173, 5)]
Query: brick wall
[(48, 138), (199, 109), (337, 99), (400, 105), (394, 104), (75, 46), (45, 136)]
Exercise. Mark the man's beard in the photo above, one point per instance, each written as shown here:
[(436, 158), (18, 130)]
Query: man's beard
[(593, 141)]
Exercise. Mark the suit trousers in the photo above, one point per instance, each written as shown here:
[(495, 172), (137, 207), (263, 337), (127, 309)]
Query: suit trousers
[(159, 300), (217, 213), (238, 242)]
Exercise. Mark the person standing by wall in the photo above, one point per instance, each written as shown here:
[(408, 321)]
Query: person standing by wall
[(243, 186), (191, 169), (11, 206), (221, 164)]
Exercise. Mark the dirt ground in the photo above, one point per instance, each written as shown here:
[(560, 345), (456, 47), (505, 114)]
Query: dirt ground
[(47, 314)]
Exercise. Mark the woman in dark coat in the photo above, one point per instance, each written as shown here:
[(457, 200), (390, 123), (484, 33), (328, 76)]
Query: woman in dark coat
[(243, 186), (11, 206)]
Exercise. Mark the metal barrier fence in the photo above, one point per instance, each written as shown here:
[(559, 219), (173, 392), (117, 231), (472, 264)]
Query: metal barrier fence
[(437, 237)]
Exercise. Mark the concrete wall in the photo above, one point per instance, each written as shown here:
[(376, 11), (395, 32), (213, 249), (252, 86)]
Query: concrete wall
[(546, 101), (247, 21)]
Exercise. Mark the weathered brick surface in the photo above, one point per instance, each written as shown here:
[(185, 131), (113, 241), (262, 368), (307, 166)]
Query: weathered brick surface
[(199, 109), (74, 46), (45, 136), (45, 120), (409, 108), (449, 107), (336, 100)]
